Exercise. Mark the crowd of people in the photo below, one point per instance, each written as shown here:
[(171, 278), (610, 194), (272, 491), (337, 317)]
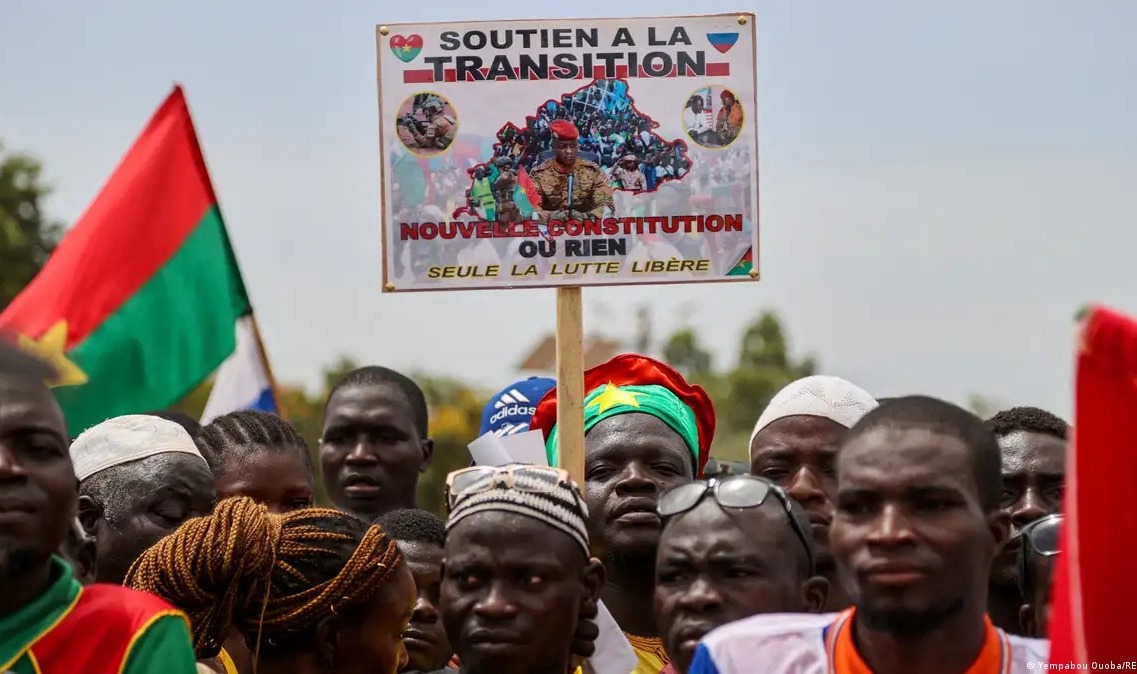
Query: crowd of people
[(898, 536), (611, 131)]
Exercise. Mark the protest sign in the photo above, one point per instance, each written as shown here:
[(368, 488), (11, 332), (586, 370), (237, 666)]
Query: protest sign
[(568, 152)]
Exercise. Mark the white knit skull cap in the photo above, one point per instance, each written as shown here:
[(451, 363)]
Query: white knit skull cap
[(128, 438), (832, 398)]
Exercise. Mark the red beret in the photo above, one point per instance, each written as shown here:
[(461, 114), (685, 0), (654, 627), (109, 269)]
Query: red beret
[(725, 93), (633, 369), (564, 130)]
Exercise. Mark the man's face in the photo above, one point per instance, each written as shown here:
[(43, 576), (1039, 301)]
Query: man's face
[(697, 105), (425, 638), (1034, 477), (565, 151), (799, 453), (151, 498), (909, 534), (371, 454), (38, 490), (728, 101), (629, 459), (713, 569), (512, 593)]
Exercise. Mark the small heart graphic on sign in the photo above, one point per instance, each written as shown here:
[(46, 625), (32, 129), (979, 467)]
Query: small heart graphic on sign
[(406, 47), (722, 41)]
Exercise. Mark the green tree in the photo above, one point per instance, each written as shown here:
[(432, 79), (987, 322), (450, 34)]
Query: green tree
[(685, 353), (455, 418), (27, 235), (764, 364), (337, 371), (764, 367)]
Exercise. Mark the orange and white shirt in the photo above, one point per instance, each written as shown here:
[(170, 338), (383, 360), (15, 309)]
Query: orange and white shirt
[(797, 643)]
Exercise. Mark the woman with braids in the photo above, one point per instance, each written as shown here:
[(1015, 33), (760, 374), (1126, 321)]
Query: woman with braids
[(312, 591), (261, 456)]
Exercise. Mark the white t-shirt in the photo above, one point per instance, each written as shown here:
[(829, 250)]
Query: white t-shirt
[(795, 643), (695, 122)]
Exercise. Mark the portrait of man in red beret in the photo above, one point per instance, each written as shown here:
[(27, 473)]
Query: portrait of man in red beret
[(570, 187)]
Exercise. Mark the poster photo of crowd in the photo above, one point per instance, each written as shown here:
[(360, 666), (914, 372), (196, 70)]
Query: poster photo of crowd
[(555, 153)]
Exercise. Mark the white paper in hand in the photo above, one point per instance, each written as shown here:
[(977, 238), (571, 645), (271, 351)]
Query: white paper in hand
[(488, 451), (614, 654), (527, 447)]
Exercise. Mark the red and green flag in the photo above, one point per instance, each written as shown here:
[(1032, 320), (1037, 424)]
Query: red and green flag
[(744, 265), (525, 194), (138, 304)]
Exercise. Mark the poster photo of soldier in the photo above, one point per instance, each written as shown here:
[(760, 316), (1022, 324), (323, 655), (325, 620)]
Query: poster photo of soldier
[(597, 136), (713, 117), (426, 124)]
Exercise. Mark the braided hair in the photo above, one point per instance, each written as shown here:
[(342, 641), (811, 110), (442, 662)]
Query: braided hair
[(272, 577), (231, 438)]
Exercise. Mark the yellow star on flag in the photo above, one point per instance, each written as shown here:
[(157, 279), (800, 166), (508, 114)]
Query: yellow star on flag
[(612, 396), (52, 347)]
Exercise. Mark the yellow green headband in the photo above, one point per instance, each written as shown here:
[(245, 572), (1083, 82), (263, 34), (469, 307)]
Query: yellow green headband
[(660, 402)]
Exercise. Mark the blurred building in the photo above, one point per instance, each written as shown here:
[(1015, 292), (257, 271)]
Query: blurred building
[(541, 359)]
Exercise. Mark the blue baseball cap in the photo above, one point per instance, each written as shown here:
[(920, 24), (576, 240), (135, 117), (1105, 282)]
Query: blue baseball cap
[(511, 409)]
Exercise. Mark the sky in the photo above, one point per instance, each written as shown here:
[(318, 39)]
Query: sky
[(942, 185)]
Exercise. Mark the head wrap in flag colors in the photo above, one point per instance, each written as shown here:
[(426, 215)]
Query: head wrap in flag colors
[(631, 383)]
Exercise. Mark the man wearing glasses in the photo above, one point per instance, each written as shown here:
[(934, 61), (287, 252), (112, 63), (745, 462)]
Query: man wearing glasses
[(916, 528), (1039, 553), (1033, 445), (731, 548)]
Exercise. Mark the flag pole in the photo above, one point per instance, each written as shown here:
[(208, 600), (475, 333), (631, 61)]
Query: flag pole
[(570, 383), (268, 368)]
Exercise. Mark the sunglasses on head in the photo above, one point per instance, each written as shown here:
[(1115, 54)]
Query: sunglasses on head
[(738, 492), (1039, 539), (534, 479)]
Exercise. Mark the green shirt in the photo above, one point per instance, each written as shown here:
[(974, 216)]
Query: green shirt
[(104, 629)]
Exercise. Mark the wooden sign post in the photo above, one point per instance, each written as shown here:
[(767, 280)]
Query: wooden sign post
[(570, 382)]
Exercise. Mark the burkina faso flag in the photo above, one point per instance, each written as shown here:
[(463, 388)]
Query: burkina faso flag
[(138, 304), (525, 194), (744, 265)]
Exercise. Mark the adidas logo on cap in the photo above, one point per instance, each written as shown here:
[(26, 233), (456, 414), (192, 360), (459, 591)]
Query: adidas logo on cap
[(510, 404)]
